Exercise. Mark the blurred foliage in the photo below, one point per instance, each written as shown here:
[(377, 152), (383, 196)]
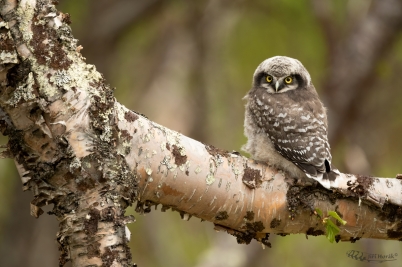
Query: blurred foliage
[(187, 65), (8, 180)]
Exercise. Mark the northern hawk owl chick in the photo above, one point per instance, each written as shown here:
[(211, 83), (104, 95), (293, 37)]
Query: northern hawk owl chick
[(286, 123)]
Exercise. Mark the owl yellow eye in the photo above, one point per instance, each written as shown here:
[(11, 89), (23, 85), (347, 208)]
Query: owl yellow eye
[(288, 80), (269, 78)]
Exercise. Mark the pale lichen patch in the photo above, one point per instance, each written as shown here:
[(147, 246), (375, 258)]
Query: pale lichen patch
[(163, 146), (148, 171), (60, 78), (106, 134), (23, 92), (173, 138), (145, 138), (45, 86), (198, 169), (4, 24), (210, 179), (88, 73), (219, 160), (25, 12), (75, 164), (236, 172), (185, 167), (169, 166), (8, 57)]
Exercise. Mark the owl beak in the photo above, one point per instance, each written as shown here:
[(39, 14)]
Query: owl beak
[(276, 86)]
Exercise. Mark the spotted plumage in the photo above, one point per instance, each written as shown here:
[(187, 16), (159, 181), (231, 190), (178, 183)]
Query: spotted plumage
[(286, 123)]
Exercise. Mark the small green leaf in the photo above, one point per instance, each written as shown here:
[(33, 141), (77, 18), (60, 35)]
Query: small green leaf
[(336, 216), (319, 212), (332, 230)]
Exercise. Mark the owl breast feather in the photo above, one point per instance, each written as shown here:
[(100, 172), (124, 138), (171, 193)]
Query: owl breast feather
[(296, 129)]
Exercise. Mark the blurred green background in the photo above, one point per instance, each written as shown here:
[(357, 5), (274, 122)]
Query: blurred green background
[(187, 65)]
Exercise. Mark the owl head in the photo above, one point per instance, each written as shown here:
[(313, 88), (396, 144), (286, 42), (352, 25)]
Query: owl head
[(281, 74)]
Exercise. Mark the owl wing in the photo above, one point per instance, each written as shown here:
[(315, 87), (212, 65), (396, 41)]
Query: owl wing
[(303, 159), (302, 140)]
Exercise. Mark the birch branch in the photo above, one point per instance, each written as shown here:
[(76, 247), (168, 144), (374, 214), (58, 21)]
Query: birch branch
[(253, 198)]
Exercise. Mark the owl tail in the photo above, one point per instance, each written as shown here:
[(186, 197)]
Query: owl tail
[(331, 175), (327, 179)]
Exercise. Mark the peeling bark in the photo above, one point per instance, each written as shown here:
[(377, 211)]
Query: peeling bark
[(79, 149)]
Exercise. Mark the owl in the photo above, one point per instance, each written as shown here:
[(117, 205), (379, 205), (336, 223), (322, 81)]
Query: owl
[(286, 123)]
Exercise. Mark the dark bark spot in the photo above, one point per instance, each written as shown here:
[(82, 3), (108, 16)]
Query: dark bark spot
[(361, 185), (109, 257), (213, 151), (165, 208), (182, 214), (4, 129), (222, 215), (249, 216), (396, 233), (47, 47), (18, 73), (67, 18), (275, 222), (250, 233), (93, 250), (85, 183), (282, 234), (91, 222), (265, 241), (44, 146), (178, 158), (304, 198), (102, 179), (252, 178), (38, 133), (6, 43), (391, 213), (255, 227), (313, 232), (130, 116), (354, 239), (64, 204), (64, 252), (69, 176), (108, 214), (126, 135), (243, 238)]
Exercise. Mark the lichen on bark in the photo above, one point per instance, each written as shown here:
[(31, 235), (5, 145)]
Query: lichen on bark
[(64, 137)]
